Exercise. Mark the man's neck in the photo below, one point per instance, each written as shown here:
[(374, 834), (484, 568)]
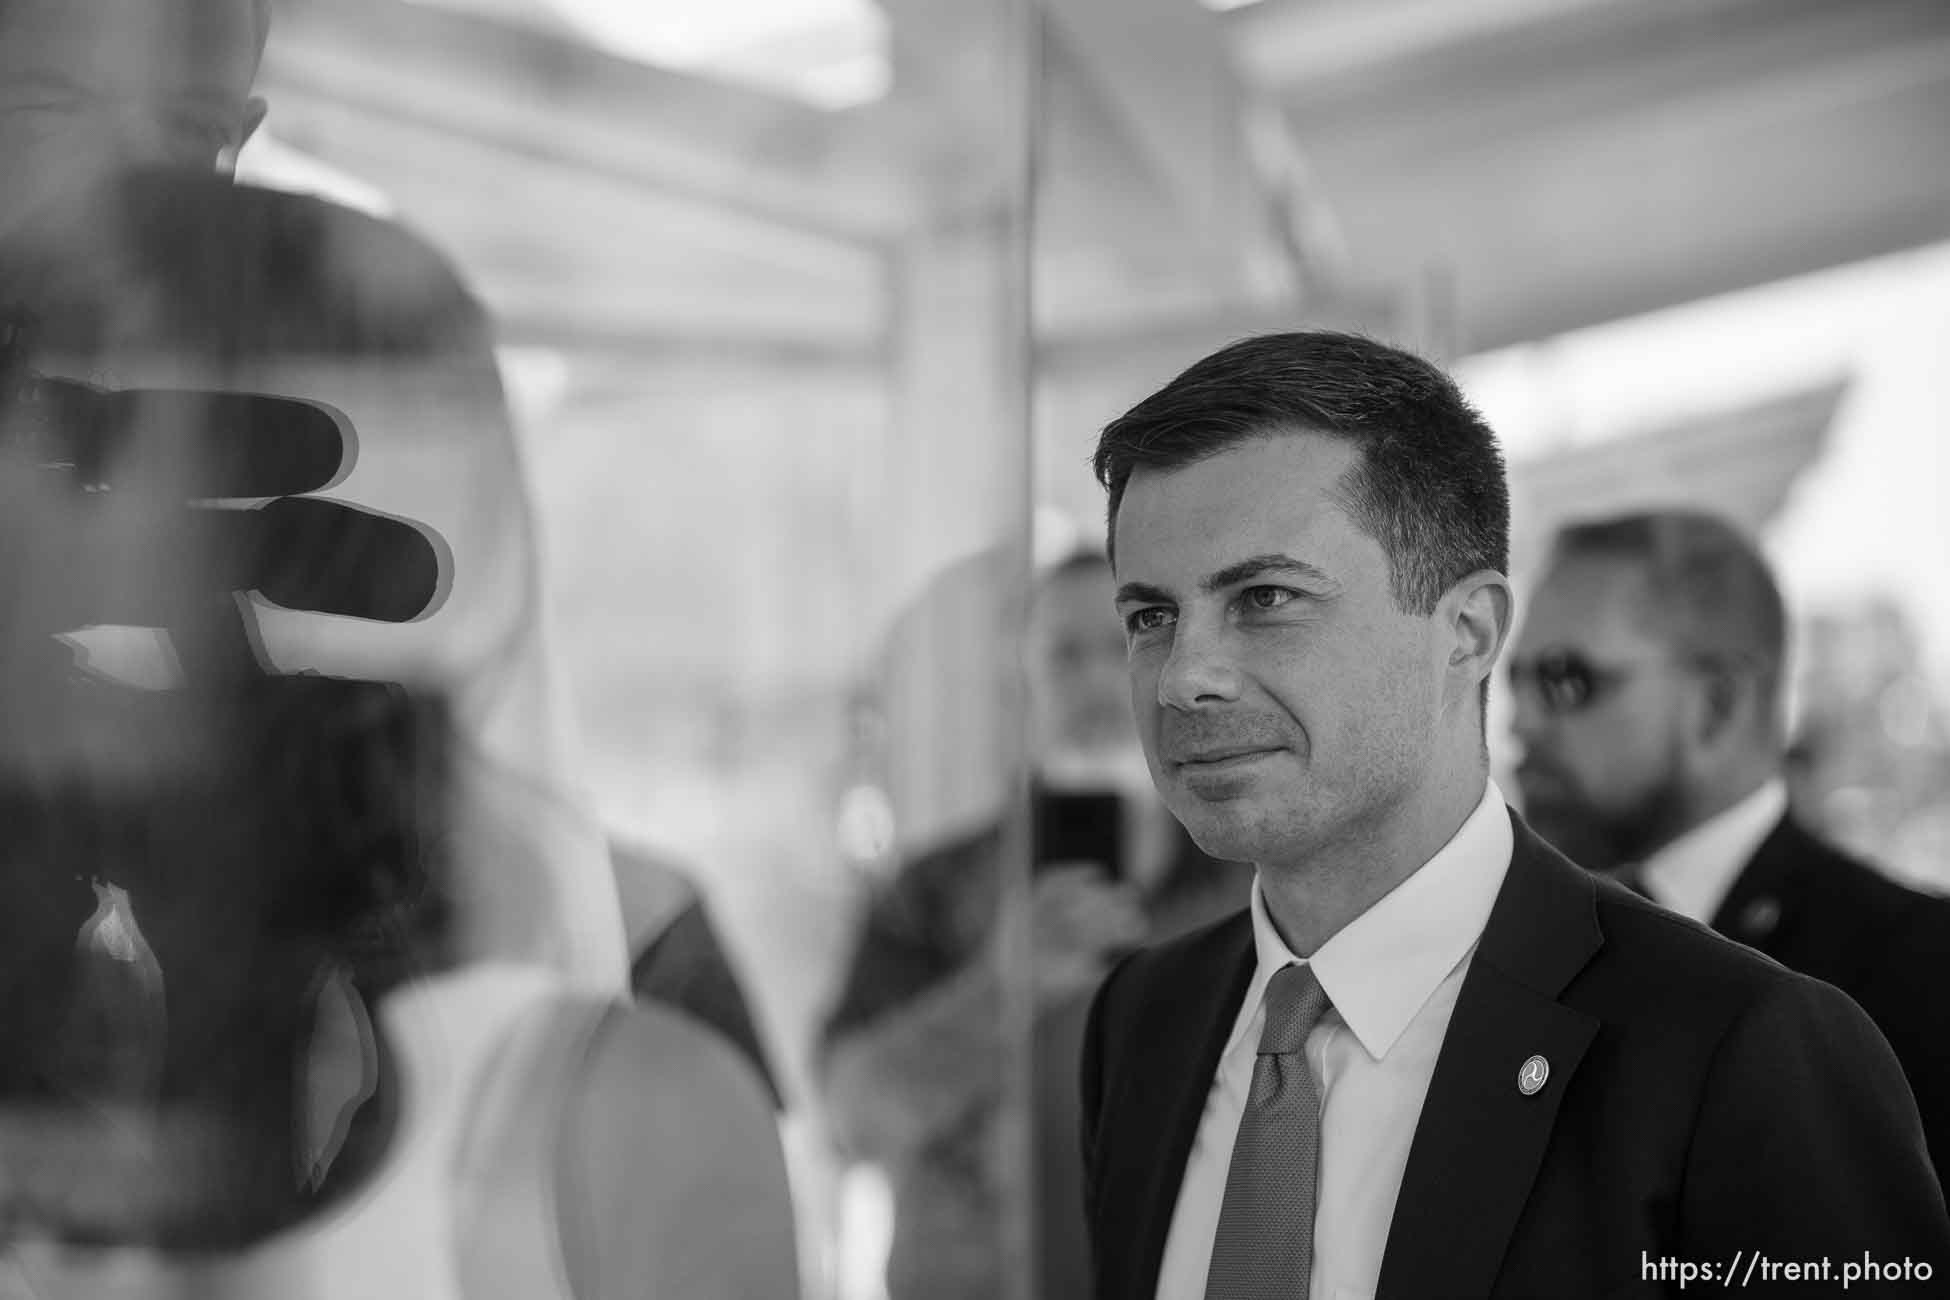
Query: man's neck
[(1693, 873), (1702, 804), (1312, 898)]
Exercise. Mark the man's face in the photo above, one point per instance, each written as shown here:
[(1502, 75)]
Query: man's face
[(1079, 698), (1285, 703), (1598, 699), (89, 87)]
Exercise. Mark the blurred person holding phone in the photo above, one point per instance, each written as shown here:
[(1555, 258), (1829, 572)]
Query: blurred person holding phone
[(910, 1055), (396, 1058), (93, 88)]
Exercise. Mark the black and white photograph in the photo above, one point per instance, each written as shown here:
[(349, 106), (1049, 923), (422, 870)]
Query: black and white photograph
[(974, 649)]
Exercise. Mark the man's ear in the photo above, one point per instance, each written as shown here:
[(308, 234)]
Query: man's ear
[(226, 163), (254, 110), (1477, 612), (1728, 700)]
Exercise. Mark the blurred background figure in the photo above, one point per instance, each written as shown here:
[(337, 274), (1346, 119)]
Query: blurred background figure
[(677, 959), (1870, 763), (92, 88), (914, 1061), (339, 870), (346, 826), (1648, 682)]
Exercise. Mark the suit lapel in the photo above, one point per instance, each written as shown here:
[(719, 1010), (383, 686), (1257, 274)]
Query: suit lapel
[(1766, 889), (1481, 1137), (1157, 1105)]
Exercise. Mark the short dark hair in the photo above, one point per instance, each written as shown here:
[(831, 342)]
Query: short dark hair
[(1710, 592), (1429, 487)]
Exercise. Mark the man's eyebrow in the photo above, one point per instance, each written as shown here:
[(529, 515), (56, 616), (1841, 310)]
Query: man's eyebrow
[(39, 84), (1143, 593), (1230, 576), (1261, 565)]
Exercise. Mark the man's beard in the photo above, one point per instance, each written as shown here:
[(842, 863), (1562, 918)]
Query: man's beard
[(1605, 839)]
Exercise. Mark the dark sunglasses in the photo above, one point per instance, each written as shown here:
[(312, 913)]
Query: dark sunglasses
[(1567, 682)]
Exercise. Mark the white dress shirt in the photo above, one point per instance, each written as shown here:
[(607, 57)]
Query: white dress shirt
[(1693, 874), (1392, 975)]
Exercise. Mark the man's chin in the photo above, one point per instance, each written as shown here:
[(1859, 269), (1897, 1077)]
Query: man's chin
[(1220, 830)]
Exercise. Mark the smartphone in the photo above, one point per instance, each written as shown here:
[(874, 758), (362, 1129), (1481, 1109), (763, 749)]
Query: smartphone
[(1088, 827)]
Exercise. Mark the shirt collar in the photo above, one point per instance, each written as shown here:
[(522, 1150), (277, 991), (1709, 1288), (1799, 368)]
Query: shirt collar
[(1693, 873), (1382, 966)]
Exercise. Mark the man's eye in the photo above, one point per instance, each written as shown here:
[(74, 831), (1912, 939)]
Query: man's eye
[(1565, 692), (1147, 620), (1267, 597)]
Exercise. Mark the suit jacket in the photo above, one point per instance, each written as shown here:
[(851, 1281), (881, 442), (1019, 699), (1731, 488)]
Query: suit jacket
[(1702, 1102), (1814, 909)]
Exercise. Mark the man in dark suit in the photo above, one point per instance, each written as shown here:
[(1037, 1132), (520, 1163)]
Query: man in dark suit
[(1433, 1058), (1650, 709)]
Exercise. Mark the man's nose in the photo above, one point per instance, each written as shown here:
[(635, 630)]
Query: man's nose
[(143, 133), (1529, 719), (1199, 672)]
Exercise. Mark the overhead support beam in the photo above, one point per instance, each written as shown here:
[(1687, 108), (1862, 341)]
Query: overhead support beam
[(1164, 72), (596, 197), (1573, 162), (1179, 339), (1152, 148), (1742, 463), (546, 97)]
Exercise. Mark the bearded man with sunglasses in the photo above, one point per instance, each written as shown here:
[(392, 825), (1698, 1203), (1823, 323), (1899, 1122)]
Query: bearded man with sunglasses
[(1648, 686)]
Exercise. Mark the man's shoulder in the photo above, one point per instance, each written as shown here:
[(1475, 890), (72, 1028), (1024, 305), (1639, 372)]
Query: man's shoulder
[(1651, 941), (1707, 1052), (1842, 917), (1577, 937), (1665, 972), (1646, 949)]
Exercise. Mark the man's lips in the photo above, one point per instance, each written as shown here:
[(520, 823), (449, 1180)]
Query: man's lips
[(1542, 777), (1205, 760)]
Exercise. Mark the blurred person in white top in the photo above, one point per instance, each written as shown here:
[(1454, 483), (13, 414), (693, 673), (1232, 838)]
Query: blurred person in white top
[(488, 1119)]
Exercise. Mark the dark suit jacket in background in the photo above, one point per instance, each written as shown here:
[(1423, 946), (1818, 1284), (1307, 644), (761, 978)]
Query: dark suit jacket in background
[(1814, 909), (1702, 1101)]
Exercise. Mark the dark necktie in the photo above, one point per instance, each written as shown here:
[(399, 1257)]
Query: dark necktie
[(1264, 1248)]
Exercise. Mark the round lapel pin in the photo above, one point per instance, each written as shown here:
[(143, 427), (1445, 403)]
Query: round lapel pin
[(1759, 918), (1530, 1079)]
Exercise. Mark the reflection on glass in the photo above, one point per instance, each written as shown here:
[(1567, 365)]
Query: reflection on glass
[(320, 941), (315, 957)]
